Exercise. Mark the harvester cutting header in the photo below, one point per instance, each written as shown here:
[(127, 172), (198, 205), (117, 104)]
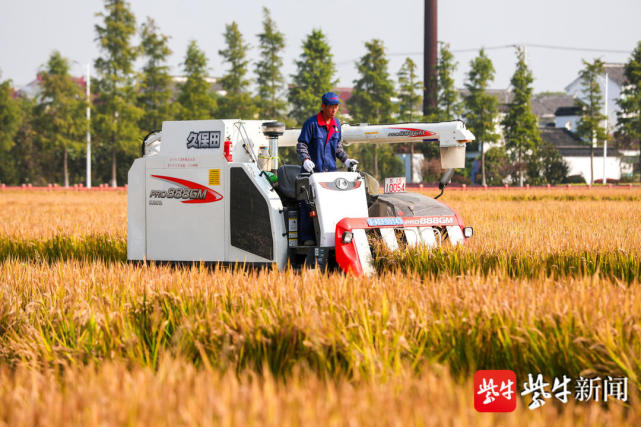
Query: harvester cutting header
[(213, 191)]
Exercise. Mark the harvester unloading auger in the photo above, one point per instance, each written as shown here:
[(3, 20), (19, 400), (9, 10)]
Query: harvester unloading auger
[(212, 191)]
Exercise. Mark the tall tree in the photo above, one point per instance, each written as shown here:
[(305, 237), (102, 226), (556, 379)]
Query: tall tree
[(60, 113), (409, 91), (629, 117), (522, 138), (9, 115), (371, 99), (314, 76), (270, 79), (590, 125), (237, 102), (481, 108), (547, 165), (31, 157), (10, 122), (450, 107), (27, 161), (195, 100), (498, 166), (155, 86), (117, 116)]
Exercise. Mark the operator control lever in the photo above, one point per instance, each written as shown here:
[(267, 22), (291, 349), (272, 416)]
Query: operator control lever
[(353, 167)]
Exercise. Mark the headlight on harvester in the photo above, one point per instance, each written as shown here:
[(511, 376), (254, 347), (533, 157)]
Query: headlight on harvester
[(347, 237), (468, 232)]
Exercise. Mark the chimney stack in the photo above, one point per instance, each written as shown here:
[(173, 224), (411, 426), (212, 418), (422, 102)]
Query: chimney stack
[(430, 54)]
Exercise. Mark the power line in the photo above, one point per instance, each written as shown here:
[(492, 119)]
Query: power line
[(506, 46), (476, 49), (544, 46), (580, 49)]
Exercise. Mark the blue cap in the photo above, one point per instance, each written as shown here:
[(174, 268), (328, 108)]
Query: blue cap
[(330, 98)]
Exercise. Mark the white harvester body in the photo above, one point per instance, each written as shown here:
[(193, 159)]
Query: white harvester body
[(333, 205), (200, 192)]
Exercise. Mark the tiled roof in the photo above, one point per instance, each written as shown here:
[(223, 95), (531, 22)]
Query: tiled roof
[(545, 105), (504, 97), (615, 72), (570, 145)]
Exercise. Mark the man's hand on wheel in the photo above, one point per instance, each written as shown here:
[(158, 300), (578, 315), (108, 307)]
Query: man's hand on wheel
[(351, 164), (308, 165)]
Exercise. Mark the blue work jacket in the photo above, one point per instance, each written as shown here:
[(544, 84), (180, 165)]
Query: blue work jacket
[(320, 141)]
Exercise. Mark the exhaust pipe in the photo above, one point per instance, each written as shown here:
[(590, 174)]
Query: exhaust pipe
[(273, 130)]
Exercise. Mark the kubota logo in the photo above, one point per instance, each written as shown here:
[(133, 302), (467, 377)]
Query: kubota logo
[(190, 191)]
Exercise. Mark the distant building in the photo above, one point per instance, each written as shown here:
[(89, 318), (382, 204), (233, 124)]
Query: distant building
[(32, 89), (567, 117), (615, 82), (558, 117), (546, 105), (504, 97), (576, 154)]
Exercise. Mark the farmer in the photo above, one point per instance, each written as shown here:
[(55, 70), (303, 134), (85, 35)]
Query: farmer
[(319, 144)]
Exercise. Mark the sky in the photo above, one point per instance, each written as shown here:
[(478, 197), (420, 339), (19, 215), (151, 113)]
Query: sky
[(30, 30)]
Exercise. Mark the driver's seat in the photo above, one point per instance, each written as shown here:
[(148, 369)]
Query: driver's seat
[(287, 179)]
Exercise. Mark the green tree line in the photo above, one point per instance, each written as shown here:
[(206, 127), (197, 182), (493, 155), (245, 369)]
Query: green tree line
[(42, 139)]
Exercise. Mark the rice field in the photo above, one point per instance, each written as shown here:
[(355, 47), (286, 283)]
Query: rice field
[(548, 284)]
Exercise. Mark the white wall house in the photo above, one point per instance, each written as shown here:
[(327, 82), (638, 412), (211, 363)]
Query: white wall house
[(567, 117), (577, 155), (615, 79), (580, 165), (611, 82)]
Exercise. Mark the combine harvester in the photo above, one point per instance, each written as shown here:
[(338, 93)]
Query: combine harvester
[(212, 191)]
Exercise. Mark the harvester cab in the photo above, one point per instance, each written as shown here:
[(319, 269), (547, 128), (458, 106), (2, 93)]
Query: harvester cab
[(212, 191)]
